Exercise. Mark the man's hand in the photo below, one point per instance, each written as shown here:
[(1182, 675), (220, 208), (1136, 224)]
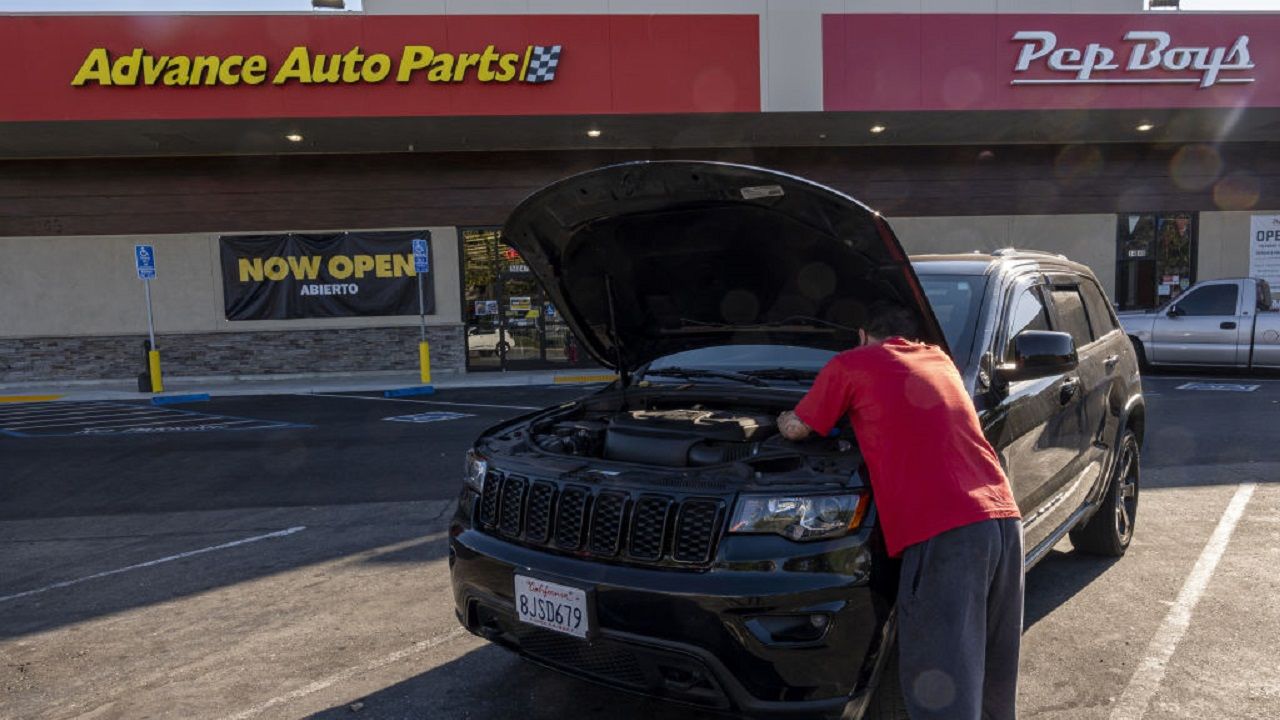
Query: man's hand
[(792, 427)]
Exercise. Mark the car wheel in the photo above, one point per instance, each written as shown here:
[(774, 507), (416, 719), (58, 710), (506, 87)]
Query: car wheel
[(1110, 529), (1141, 352), (887, 703)]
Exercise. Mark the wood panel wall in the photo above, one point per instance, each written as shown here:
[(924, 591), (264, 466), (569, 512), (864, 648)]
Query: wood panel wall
[(200, 194)]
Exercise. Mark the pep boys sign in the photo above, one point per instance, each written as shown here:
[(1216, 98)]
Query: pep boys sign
[(1151, 56)]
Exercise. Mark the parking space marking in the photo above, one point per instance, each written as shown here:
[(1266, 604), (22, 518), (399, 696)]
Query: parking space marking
[(1146, 680), (64, 419), (427, 402), (317, 686), (151, 563)]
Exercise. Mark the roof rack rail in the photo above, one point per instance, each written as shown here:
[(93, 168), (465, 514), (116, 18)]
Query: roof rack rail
[(1006, 252)]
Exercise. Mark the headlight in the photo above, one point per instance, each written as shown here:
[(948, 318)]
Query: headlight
[(476, 468), (805, 517)]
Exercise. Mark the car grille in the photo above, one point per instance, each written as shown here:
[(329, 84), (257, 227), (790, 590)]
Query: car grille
[(634, 527), (604, 659)]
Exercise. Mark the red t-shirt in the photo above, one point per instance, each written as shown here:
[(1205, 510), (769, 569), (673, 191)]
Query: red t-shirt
[(931, 468)]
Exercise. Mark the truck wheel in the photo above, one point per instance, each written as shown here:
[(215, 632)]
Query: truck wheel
[(1110, 529), (1141, 352), (887, 702)]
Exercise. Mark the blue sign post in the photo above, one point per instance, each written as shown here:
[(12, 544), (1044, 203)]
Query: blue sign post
[(421, 256), (421, 266), (144, 258), (144, 261)]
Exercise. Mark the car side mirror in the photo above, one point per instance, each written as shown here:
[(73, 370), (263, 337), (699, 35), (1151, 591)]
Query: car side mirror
[(1039, 353), (1175, 311)]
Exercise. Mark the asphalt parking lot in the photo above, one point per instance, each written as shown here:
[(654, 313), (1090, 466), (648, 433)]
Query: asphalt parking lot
[(284, 557)]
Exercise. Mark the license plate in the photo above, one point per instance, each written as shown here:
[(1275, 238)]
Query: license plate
[(552, 606)]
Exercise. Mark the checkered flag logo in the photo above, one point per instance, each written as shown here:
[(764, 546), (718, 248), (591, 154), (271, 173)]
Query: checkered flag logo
[(542, 64)]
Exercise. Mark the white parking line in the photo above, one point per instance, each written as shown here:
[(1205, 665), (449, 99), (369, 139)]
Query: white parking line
[(349, 673), (427, 402), (1146, 679), (149, 563)]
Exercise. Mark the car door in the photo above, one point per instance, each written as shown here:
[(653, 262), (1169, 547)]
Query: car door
[(1086, 429), (1202, 327), (1031, 423)]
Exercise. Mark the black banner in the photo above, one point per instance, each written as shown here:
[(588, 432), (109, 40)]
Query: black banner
[(281, 277)]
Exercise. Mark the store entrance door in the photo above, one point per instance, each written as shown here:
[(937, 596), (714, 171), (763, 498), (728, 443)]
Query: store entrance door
[(1155, 258), (510, 324)]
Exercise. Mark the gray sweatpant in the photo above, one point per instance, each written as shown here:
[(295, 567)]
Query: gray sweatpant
[(960, 623)]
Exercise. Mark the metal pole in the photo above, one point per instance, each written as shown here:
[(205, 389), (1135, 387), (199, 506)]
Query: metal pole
[(422, 309), (151, 328)]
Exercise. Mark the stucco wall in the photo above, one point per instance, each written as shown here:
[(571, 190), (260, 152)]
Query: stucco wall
[(1224, 243), (1089, 239), (73, 286)]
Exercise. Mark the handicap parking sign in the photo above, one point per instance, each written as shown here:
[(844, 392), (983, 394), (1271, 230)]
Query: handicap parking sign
[(144, 258), (421, 262)]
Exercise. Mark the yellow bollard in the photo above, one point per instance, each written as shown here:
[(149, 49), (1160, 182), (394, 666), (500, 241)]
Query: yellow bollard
[(153, 362), (424, 361)]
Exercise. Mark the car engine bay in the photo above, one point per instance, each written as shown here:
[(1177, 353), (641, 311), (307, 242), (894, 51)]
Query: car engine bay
[(685, 433)]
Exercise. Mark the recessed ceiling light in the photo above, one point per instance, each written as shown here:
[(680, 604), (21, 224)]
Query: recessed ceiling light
[(293, 137), (593, 133), (1144, 127), (877, 129)]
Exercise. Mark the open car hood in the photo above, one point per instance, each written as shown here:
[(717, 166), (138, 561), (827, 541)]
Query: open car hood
[(651, 258)]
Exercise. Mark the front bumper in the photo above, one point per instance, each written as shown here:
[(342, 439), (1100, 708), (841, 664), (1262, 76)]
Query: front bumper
[(694, 637)]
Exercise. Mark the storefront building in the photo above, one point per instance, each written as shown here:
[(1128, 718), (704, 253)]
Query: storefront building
[(281, 165)]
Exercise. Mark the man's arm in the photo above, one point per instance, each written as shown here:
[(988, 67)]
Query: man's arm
[(792, 427)]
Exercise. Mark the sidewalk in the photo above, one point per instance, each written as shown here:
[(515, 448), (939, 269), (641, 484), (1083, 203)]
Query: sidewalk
[(290, 384)]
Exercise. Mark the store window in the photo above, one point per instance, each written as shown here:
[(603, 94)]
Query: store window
[(509, 322), (1155, 258)]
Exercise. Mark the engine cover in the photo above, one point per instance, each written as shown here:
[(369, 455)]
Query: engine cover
[(684, 436)]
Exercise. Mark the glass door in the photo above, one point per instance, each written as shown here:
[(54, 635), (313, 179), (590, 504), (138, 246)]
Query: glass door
[(510, 325), (1155, 258), (481, 300)]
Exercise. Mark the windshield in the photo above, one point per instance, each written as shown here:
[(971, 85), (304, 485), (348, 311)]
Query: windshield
[(955, 300), (746, 358)]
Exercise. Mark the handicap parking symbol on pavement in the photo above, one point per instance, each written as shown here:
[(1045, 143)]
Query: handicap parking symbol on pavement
[(429, 417), (1218, 387)]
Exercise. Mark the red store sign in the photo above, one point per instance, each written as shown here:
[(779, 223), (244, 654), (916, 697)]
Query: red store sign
[(125, 67), (1020, 62)]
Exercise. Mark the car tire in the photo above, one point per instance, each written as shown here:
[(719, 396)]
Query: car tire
[(1110, 530), (887, 702), (1141, 352)]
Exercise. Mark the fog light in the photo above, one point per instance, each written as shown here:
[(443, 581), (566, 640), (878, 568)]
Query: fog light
[(819, 620)]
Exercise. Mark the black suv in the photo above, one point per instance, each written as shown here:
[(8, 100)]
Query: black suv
[(659, 536)]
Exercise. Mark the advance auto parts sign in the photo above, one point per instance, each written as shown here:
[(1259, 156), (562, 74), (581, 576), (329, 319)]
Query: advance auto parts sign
[(284, 277), (532, 64)]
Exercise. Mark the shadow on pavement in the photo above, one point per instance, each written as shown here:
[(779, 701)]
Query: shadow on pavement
[(1056, 579), (355, 540), (493, 683)]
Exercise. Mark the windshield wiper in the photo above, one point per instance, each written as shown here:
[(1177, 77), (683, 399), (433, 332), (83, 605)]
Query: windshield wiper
[(704, 373), (782, 373)]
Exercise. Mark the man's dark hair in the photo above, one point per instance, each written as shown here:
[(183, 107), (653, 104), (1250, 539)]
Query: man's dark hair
[(886, 320)]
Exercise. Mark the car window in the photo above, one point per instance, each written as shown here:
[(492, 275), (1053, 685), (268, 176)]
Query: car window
[(1101, 318), (1209, 300), (955, 300), (1028, 313), (1264, 295), (1070, 306)]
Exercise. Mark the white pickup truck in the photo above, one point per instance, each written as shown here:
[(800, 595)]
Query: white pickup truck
[(1218, 323)]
